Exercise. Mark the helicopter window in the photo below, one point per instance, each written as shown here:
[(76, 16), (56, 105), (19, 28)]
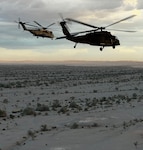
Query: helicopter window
[(116, 38)]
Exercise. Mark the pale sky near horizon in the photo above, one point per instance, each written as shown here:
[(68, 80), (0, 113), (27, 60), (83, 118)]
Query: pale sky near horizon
[(19, 45)]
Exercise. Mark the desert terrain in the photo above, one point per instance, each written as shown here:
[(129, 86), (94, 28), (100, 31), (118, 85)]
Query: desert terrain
[(59, 107)]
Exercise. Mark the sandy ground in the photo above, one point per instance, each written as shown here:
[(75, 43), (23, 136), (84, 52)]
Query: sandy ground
[(45, 107)]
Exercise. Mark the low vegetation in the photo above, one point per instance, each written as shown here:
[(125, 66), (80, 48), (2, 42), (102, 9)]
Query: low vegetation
[(3, 113), (43, 91)]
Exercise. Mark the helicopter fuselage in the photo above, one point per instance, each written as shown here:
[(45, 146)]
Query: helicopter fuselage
[(96, 38), (38, 32), (41, 33), (102, 38)]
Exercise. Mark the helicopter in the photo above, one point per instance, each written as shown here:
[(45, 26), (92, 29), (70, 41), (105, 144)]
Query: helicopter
[(96, 37), (38, 30)]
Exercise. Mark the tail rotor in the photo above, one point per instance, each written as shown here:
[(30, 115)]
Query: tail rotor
[(64, 21), (43, 26), (19, 21)]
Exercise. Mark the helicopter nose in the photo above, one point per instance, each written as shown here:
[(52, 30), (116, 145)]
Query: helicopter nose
[(52, 35), (118, 42)]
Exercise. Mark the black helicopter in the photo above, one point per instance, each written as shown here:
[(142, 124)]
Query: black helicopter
[(96, 37), (38, 31)]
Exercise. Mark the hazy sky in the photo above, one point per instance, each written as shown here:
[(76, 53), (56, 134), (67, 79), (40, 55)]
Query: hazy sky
[(18, 45)]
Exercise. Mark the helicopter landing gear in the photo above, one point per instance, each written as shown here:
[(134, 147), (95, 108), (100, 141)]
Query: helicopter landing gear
[(113, 46), (75, 45), (101, 48)]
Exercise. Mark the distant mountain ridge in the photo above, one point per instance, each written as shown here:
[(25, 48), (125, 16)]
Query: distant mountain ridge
[(80, 63)]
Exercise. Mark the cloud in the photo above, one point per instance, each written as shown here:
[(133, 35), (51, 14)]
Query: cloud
[(130, 3), (102, 4), (49, 9), (11, 9), (140, 4)]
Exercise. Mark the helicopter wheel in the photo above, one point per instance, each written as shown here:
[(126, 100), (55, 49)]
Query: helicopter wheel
[(113, 46), (75, 45), (101, 48)]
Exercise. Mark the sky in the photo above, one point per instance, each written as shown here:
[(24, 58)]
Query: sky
[(19, 45)]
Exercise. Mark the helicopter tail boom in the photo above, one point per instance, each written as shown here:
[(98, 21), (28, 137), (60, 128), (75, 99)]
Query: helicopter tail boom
[(65, 28), (23, 25)]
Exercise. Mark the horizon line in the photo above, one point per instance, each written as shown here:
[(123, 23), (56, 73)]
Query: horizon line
[(76, 62)]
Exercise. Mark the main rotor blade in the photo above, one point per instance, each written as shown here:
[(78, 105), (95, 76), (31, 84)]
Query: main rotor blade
[(121, 20), (122, 30), (62, 37), (50, 25), (73, 20), (38, 24), (87, 31), (31, 25)]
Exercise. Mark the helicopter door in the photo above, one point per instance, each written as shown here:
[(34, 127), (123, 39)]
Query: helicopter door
[(102, 39)]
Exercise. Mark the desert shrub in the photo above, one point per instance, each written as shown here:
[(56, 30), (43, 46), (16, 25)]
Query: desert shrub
[(94, 91), (74, 126), (63, 110), (134, 95), (3, 113), (53, 93), (72, 98), (11, 116), (75, 105), (125, 125), (44, 128), (94, 125), (5, 101), (66, 91), (42, 107), (31, 134), (18, 84), (86, 109), (28, 111), (18, 143), (94, 102), (7, 85), (56, 104), (1, 85), (74, 84)]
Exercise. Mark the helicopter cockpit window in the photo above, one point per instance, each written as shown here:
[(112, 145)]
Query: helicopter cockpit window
[(116, 38)]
